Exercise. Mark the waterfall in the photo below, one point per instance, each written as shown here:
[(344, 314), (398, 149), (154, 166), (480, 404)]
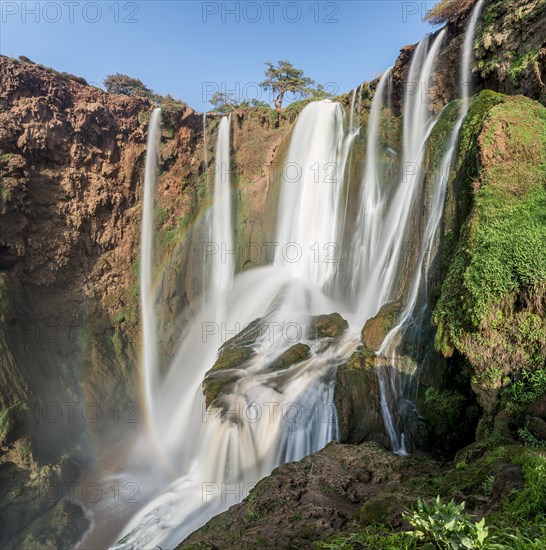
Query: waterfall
[(371, 199), (222, 245), (311, 194), (433, 219), (243, 434), (148, 318), (227, 446), (205, 150), (391, 227), (467, 57), (352, 111)]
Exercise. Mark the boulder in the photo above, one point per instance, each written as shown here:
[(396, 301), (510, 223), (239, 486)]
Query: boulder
[(293, 355), (327, 326), (378, 327), (356, 398)]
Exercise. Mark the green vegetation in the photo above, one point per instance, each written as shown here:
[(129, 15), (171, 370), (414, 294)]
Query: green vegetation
[(449, 10), (10, 418), (521, 63), (518, 523), (445, 525), (125, 85), (378, 537), (224, 102), (492, 301), (285, 78)]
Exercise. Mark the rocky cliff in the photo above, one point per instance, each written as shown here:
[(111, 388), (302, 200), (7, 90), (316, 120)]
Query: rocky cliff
[(71, 164)]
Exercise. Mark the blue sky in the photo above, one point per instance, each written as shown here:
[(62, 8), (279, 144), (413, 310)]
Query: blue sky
[(191, 48)]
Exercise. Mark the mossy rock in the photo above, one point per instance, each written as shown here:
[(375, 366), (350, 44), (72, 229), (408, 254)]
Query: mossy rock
[(232, 358), (61, 527), (378, 327), (492, 301), (327, 326), (217, 383), (11, 420), (293, 355), (356, 398)]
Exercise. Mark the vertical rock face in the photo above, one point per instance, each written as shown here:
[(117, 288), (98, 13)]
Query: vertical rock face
[(71, 158)]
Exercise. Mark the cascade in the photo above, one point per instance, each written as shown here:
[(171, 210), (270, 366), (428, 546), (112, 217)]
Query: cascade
[(148, 319), (227, 448), (237, 439), (222, 265), (433, 218)]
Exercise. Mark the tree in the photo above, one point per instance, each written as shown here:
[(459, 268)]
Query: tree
[(447, 11), (223, 102), (319, 93), (285, 78), (122, 84)]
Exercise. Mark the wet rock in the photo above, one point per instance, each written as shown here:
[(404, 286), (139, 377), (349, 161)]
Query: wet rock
[(417, 429), (356, 398), (327, 326), (232, 356), (510, 478), (305, 501), (378, 327), (293, 355)]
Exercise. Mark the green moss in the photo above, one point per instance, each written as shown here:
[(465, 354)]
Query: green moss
[(9, 420), (490, 304), (442, 408), (294, 354), (232, 358), (521, 63)]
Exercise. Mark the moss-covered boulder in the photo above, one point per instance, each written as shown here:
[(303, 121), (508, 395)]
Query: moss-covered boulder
[(232, 356), (327, 326), (378, 327), (356, 398), (493, 299), (293, 355)]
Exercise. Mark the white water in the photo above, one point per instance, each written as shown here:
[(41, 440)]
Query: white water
[(148, 318), (371, 200), (433, 219), (241, 437), (222, 251), (205, 150), (294, 406), (311, 194), (352, 111), (468, 56)]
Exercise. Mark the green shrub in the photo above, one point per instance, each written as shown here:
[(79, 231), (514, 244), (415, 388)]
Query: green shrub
[(445, 526)]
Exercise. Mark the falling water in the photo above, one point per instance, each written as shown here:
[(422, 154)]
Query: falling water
[(371, 201), (222, 244), (308, 219), (433, 219), (467, 57), (146, 297), (226, 447), (205, 150), (352, 111)]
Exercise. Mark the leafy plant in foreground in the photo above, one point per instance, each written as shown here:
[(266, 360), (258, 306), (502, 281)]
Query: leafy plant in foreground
[(445, 526)]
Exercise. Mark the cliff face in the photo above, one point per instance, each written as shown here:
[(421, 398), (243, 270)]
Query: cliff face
[(71, 164), (71, 168)]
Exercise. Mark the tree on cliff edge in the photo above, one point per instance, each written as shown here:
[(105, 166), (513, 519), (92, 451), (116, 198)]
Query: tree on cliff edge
[(122, 84), (285, 78), (449, 10)]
